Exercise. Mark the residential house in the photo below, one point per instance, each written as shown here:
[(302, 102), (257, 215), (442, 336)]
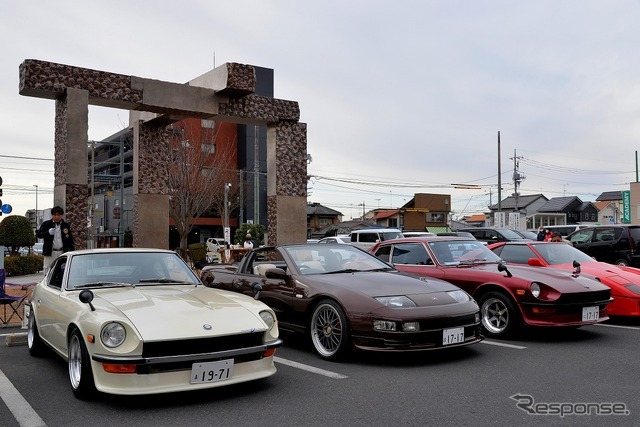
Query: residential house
[(608, 212), (477, 220), (524, 208), (322, 221), (388, 218), (426, 212), (574, 210)]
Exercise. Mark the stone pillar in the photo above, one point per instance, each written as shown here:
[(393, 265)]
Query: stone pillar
[(70, 177), (151, 156), (287, 182)]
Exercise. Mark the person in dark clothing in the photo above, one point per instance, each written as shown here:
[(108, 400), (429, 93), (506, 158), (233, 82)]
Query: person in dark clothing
[(541, 234), (56, 235)]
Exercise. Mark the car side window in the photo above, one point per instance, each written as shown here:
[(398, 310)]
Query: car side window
[(583, 236), (411, 253), (57, 273), (518, 254), (604, 235), (383, 253)]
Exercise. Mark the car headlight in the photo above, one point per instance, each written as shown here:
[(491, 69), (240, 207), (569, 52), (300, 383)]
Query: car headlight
[(535, 289), (268, 318), (113, 334), (459, 295), (400, 301)]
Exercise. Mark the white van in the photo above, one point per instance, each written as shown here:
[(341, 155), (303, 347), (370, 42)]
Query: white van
[(367, 237)]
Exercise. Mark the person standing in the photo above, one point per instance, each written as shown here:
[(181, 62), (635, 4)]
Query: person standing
[(248, 243), (57, 237), (541, 234)]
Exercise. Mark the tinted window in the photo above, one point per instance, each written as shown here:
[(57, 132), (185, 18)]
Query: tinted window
[(635, 233), (383, 253), (581, 236), (411, 253), (606, 234), (368, 237), (518, 254)]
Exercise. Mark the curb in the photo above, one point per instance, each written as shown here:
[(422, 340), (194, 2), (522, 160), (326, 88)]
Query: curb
[(14, 340)]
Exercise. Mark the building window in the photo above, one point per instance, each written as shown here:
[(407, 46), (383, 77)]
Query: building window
[(434, 217), (324, 222), (208, 124), (208, 148)]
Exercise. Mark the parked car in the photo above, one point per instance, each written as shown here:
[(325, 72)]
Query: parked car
[(214, 244), (37, 248), (564, 230), (367, 237), (342, 298), (456, 234), (623, 281), (417, 233), (138, 321), (340, 239), (493, 235), (615, 244), (509, 296), (530, 235)]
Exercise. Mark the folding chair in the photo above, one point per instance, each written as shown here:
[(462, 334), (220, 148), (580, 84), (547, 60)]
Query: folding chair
[(13, 302)]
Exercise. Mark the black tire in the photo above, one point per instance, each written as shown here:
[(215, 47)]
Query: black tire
[(622, 262), (80, 373), (35, 345), (329, 330), (499, 315)]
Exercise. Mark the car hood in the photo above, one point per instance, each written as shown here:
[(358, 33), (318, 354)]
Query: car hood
[(564, 281), (180, 312), (376, 283)]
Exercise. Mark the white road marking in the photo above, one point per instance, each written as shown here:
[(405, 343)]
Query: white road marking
[(19, 407), (635, 328), (309, 368), (501, 344)]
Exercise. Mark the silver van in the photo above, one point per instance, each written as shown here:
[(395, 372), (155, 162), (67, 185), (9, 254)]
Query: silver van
[(367, 237)]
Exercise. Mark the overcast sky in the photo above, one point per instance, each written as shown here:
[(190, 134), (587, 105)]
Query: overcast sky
[(405, 97)]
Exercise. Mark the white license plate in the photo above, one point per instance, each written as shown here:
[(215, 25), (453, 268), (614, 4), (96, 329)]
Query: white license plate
[(452, 336), (590, 314), (210, 372)]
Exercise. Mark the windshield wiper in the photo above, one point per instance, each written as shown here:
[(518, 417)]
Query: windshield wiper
[(381, 269), (473, 261), (103, 284), (163, 280), (348, 270)]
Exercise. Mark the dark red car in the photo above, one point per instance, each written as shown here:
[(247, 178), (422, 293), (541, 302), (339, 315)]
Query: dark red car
[(342, 297), (623, 281), (508, 296)]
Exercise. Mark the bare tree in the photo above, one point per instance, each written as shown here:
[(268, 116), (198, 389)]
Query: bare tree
[(202, 161)]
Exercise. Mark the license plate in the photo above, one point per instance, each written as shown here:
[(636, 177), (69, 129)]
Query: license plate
[(590, 314), (452, 336), (210, 372)]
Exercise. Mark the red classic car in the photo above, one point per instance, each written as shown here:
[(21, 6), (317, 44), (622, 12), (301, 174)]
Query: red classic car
[(508, 296), (623, 281)]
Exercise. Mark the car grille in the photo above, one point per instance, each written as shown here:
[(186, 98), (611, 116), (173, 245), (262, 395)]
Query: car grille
[(199, 346), (442, 323), (585, 297)]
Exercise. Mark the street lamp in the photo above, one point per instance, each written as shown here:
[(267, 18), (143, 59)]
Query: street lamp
[(36, 206)]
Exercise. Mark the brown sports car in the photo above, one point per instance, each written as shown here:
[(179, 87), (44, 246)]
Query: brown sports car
[(343, 297)]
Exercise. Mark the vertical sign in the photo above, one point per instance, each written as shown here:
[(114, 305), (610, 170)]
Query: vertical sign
[(626, 206), (499, 220)]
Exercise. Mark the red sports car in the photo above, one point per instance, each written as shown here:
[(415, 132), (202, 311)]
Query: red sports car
[(623, 281), (508, 296)]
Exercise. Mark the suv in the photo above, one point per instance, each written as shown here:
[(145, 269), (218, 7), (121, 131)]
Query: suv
[(494, 235), (367, 237), (615, 244)]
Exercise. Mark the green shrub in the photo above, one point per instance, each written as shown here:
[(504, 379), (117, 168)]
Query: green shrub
[(22, 265)]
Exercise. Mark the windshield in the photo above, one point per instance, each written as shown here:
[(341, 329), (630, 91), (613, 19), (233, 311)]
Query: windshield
[(127, 268), (456, 252), (390, 235), (332, 258), (561, 253)]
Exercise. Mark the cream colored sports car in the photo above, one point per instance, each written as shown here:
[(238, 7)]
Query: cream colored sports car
[(138, 321)]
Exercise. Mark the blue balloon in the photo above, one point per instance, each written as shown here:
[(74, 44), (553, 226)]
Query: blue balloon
[(6, 209)]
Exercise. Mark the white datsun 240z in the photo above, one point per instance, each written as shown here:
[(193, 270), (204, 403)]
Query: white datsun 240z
[(138, 321)]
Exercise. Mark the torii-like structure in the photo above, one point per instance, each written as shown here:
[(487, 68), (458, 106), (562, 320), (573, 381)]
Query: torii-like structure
[(225, 94)]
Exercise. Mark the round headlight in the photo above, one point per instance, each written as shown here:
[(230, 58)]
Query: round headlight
[(268, 318), (113, 334), (535, 289)]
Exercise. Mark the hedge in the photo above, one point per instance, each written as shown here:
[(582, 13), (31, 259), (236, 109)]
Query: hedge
[(22, 265)]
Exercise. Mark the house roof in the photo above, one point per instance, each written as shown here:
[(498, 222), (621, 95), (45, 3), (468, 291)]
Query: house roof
[(477, 218), (318, 209), (386, 214), (610, 195), (523, 201), (558, 204)]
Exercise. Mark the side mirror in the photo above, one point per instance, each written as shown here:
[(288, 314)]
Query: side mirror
[(256, 288), (207, 278), (275, 273), (86, 297)]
